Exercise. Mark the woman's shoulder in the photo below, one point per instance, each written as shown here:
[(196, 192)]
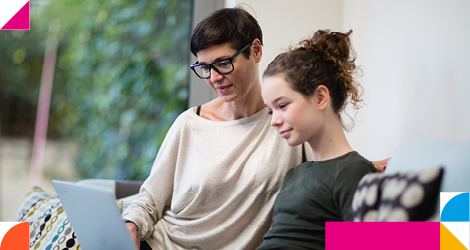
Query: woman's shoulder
[(183, 121), (184, 116), (209, 109)]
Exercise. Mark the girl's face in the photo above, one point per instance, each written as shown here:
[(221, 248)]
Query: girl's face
[(296, 117), (237, 85)]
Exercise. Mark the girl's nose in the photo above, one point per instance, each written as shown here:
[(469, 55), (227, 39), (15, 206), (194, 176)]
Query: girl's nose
[(275, 119)]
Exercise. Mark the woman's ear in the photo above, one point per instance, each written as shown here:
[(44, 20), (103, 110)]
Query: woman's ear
[(257, 50), (322, 97)]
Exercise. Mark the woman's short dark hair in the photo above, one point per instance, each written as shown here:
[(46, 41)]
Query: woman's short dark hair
[(233, 25)]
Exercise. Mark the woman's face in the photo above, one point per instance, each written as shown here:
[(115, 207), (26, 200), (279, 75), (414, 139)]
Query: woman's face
[(235, 86), (294, 116)]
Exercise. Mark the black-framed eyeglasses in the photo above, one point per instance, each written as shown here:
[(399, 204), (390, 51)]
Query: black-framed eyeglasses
[(222, 67)]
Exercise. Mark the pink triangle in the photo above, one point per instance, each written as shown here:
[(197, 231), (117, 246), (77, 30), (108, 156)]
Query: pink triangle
[(20, 21)]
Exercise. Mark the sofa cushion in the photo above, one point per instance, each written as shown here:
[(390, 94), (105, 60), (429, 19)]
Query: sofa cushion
[(408, 196), (49, 226)]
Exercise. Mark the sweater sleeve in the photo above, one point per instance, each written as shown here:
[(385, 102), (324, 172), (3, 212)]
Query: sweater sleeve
[(156, 191)]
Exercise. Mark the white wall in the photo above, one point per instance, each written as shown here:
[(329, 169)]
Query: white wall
[(415, 57), (286, 23)]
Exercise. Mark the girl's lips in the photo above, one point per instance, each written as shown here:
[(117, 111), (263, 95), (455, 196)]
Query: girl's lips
[(285, 133), (223, 89)]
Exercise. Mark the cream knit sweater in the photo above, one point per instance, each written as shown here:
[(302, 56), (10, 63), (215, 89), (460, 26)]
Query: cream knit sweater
[(213, 184)]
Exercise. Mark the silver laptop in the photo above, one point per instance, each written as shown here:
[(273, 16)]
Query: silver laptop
[(94, 216)]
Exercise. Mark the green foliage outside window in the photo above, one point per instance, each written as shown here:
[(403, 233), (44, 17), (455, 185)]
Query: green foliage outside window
[(121, 76)]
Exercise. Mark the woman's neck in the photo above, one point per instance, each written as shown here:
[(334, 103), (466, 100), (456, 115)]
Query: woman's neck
[(238, 110), (218, 110)]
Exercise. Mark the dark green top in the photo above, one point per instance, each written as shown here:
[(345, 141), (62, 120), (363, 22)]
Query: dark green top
[(312, 193)]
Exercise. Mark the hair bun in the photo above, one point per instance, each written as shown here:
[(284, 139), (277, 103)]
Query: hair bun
[(336, 47), (333, 46)]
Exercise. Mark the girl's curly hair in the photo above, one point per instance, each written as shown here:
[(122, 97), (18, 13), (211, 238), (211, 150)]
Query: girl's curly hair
[(327, 58)]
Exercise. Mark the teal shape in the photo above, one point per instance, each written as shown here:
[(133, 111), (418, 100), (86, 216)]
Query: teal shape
[(457, 209)]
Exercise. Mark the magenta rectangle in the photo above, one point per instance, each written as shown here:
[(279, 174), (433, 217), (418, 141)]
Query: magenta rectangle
[(382, 235)]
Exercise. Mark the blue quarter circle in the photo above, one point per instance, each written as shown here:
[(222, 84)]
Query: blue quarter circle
[(457, 209)]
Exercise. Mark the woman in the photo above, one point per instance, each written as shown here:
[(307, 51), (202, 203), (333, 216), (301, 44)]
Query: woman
[(217, 173), (305, 90)]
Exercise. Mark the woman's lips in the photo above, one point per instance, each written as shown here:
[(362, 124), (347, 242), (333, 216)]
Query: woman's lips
[(223, 89)]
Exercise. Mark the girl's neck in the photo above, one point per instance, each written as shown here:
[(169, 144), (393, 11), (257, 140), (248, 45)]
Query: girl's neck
[(330, 143)]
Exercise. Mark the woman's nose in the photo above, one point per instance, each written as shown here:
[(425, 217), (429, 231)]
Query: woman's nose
[(215, 76)]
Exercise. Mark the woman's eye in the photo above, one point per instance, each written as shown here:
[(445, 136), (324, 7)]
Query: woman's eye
[(223, 64), (270, 112)]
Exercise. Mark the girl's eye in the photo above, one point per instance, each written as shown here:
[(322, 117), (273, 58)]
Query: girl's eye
[(270, 112), (282, 105)]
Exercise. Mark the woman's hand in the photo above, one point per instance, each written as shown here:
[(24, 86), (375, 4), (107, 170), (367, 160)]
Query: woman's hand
[(132, 228), (381, 165)]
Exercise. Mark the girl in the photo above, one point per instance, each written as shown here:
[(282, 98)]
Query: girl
[(305, 90)]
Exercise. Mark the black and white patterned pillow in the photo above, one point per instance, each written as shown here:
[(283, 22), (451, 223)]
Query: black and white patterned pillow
[(408, 196)]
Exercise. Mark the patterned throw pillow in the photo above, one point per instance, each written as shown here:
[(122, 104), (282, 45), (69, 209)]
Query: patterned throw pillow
[(49, 226), (409, 196)]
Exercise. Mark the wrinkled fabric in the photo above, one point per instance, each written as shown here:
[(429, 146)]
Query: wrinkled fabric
[(213, 184)]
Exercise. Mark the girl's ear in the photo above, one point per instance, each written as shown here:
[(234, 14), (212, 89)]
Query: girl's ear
[(322, 97), (257, 50)]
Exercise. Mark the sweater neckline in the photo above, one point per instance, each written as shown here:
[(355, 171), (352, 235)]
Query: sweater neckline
[(336, 158), (256, 116)]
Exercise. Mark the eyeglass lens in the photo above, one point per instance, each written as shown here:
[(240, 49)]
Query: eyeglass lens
[(222, 67)]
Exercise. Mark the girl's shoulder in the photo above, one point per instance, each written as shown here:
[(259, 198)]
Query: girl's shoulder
[(357, 159), (354, 167)]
